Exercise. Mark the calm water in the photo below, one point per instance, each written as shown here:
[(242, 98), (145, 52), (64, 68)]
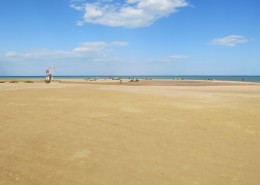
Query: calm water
[(223, 78)]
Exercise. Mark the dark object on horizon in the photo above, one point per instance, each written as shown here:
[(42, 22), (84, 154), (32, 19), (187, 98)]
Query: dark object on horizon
[(134, 80), (13, 81), (116, 78), (49, 76), (28, 81)]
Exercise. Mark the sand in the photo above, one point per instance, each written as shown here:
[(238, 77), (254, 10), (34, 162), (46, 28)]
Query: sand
[(98, 134)]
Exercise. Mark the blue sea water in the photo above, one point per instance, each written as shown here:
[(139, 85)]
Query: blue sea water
[(185, 77)]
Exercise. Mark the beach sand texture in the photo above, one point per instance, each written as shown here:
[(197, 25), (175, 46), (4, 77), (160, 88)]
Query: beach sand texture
[(85, 134)]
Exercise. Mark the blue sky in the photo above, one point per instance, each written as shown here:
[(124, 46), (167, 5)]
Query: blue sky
[(130, 37)]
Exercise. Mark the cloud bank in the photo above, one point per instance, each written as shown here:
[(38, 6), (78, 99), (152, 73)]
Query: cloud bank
[(130, 14), (90, 58), (231, 40), (93, 51)]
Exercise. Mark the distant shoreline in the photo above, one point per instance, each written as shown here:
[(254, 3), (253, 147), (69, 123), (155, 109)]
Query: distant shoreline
[(130, 82), (232, 78)]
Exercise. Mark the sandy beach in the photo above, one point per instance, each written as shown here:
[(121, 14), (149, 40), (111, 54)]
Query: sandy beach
[(74, 132)]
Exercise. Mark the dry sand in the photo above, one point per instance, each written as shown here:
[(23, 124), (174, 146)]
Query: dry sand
[(87, 134)]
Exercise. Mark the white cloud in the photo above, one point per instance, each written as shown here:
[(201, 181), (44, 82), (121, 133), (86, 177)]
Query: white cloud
[(95, 51), (76, 7), (131, 14), (231, 40), (10, 54), (91, 46)]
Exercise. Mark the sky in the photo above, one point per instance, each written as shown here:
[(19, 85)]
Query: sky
[(130, 37)]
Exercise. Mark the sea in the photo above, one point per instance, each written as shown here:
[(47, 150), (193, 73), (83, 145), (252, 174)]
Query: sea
[(184, 77)]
